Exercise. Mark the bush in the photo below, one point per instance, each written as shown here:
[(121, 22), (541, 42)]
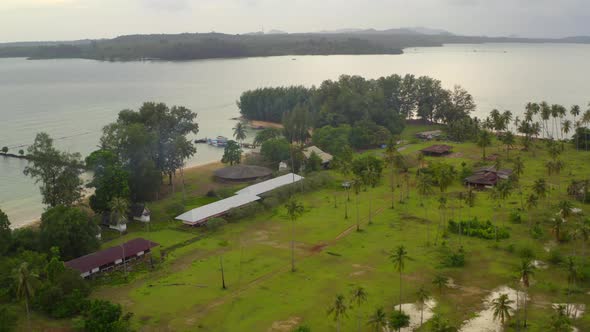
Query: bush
[(451, 258), (8, 318), (483, 230), (174, 209), (215, 223), (224, 192), (555, 257), (515, 217), (236, 214), (526, 252), (105, 316), (537, 232)]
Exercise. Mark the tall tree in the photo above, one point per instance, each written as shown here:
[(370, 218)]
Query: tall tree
[(399, 258), (575, 112), (239, 132), (120, 208), (57, 172), (232, 153), (5, 233), (70, 229), (358, 297), (484, 139), (338, 310), (422, 296), (525, 271), (294, 210), (25, 289), (109, 179), (501, 307), (378, 320)]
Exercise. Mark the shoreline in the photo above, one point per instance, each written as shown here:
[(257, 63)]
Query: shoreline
[(35, 223)]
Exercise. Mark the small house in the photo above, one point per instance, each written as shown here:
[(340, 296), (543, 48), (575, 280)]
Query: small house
[(324, 156), (487, 176), (437, 150), (140, 212)]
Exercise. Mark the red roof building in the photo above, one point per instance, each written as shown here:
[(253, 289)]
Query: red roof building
[(111, 258), (487, 177)]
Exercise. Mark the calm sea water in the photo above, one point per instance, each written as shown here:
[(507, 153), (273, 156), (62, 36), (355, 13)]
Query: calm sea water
[(73, 99)]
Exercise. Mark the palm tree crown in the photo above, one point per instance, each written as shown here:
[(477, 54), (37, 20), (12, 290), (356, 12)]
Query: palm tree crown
[(501, 307)]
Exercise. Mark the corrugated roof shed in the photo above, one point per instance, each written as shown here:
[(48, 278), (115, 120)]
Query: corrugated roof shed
[(109, 256), (324, 156), (269, 185), (215, 209)]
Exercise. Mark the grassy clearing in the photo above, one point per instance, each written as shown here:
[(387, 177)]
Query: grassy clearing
[(184, 293)]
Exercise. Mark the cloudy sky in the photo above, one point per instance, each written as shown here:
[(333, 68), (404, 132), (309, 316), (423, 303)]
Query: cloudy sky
[(26, 20)]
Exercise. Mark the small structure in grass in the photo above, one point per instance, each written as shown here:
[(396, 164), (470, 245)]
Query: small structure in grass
[(487, 176), (243, 173), (324, 156), (437, 150), (140, 212), (429, 135)]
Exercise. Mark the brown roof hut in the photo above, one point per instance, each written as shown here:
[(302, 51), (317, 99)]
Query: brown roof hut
[(487, 177), (437, 150), (111, 258), (243, 173)]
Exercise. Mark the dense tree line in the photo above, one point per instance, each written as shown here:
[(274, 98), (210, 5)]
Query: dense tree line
[(387, 102)]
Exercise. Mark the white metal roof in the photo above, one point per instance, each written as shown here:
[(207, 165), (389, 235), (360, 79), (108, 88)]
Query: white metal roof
[(214, 209), (269, 185)]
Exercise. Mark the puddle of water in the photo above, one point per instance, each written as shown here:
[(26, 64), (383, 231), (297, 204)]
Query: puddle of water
[(574, 310), (484, 321), (413, 310)]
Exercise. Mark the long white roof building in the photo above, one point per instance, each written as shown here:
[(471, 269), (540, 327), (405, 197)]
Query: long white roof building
[(243, 197), (270, 185)]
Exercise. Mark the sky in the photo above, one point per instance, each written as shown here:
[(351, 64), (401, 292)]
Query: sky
[(35, 20)]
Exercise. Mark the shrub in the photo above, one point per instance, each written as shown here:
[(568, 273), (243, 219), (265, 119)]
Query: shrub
[(174, 209), (225, 192), (555, 257), (244, 212), (537, 231), (526, 252), (451, 258), (8, 318), (515, 217), (475, 228), (215, 223)]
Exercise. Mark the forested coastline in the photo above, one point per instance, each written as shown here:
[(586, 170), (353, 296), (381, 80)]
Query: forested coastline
[(192, 46)]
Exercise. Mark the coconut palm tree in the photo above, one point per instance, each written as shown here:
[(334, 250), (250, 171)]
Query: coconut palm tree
[(424, 186), (239, 132), (358, 297), (390, 156), (439, 324), (556, 224), (378, 320), (566, 127), (484, 139), (501, 307), (575, 112), (526, 270), (338, 310), (440, 281), (560, 320), (399, 258), (540, 188), (422, 296), (357, 185), (25, 289), (294, 210), (119, 207), (545, 112), (518, 166), (531, 203)]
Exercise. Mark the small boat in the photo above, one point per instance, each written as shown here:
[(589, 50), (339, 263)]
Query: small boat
[(220, 141), (201, 140)]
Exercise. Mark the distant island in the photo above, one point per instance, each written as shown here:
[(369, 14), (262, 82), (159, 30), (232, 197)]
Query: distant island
[(191, 46)]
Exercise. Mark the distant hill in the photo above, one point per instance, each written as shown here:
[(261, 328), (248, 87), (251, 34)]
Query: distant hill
[(189, 46)]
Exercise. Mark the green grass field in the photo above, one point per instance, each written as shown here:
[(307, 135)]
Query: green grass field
[(184, 293)]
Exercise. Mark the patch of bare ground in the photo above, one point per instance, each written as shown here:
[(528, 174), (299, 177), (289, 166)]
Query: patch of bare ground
[(285, 325), (455, 155)]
